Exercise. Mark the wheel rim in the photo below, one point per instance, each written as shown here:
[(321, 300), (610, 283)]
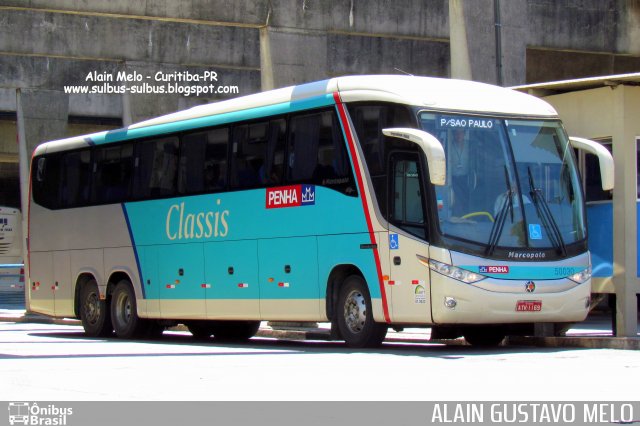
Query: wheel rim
[(355, 311), (123, 309), (92, 309)]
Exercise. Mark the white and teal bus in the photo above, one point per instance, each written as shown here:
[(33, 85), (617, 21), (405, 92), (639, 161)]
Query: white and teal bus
[(11, 266), (367, 201)]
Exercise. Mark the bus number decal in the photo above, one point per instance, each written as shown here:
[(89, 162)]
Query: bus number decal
[(291, 196)]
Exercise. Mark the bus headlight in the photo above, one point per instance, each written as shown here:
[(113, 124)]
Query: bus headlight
[(581, 276), (455, 272)]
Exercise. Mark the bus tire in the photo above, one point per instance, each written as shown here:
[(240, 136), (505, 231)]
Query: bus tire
[(234, 331), (200, 329), (94, 313), (154, 329), (354, 315), (124, 314), (484, 337)]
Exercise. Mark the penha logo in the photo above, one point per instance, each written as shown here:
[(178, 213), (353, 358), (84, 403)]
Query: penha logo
[(290, 196), (32, 414), (493, 269)]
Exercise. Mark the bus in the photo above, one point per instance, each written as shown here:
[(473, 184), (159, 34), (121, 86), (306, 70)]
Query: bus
[(11, 265), (365, 201)]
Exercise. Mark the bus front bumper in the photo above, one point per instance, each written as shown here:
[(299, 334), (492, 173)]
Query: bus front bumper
[(454, 302)]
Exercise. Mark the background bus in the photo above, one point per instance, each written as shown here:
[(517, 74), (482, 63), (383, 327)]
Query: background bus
[(11, 266), (348, 200)]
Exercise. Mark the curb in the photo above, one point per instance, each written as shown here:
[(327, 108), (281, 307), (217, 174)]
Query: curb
[(591, 342)]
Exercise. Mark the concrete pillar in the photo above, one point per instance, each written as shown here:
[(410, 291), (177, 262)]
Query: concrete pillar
[(460, 61), (266, 62), (625, 247), (45, 114), (483, 31)]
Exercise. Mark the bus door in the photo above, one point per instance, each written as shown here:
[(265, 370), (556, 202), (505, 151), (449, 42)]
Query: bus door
[(231, 280), (408, 278)]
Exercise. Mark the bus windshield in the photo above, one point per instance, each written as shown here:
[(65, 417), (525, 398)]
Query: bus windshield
[(511, 183)]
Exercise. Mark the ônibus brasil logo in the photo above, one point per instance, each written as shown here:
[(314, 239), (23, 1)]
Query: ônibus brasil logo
[(32, 414)]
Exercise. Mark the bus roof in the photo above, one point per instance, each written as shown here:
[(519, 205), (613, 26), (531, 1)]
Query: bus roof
[(428, 92)]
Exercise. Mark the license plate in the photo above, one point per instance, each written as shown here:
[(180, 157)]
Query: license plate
[(529, 306)]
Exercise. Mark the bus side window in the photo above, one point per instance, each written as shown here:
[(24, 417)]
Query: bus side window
[(317, 152), (249, 152), (258, 154), (113, 167), (368, 121), (155, 169), (274, 166), (203, 161), (75, 182), (46, 182), (591, 175)]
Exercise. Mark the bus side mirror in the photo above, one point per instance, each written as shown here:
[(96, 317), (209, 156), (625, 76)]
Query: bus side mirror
[(604, 159), (431, 147)]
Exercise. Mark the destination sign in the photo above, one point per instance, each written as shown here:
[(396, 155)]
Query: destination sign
[(460, 122)]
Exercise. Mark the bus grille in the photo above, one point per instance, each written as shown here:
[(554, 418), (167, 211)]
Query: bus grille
[(4, 248)]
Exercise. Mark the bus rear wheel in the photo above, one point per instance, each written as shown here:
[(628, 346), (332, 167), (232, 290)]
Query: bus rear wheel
[(484, 336), (354, 315), (94, 313), (124, 313), (233, 331)]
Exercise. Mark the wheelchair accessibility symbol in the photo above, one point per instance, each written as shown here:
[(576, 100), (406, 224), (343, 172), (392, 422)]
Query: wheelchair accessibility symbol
[(535, 231), (393, 242)]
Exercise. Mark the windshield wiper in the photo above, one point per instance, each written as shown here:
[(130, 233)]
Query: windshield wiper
[(498, 225), (546, 216)]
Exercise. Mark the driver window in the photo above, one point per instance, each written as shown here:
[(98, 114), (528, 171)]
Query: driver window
[(407, 209)]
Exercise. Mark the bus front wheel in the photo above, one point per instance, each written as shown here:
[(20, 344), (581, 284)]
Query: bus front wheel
[(484, 336), (124, 314), (94, 313), (354, 315), (200, 329)]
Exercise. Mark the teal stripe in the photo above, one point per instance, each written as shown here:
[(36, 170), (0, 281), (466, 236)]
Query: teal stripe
[(531, 272), (213, 120)]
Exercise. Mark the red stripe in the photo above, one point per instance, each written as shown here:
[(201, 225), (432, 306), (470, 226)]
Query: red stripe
[(365, 205)]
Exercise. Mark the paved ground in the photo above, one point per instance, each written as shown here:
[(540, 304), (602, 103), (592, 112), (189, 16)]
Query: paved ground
[(595, 332), (57, 362)]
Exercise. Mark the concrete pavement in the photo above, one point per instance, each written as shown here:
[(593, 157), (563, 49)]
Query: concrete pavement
[(595, 332)]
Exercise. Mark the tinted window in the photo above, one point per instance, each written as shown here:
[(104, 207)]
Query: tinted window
[(368, 121), (203, 161), (317, 152), (258, 154), (407, 204), (274, 167), (75, 178), (156, 167), (113, 169), (46, 180)]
